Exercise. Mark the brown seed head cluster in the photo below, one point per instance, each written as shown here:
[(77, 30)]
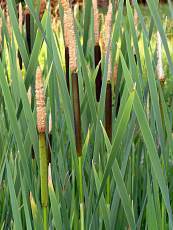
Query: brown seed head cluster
[(96, 22), (40, 102)]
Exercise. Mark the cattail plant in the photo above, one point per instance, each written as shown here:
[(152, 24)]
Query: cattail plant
[(108, 100), (28, 28), (97, 50), (20, 29), (76, 100), (41, 127), (160, 72)]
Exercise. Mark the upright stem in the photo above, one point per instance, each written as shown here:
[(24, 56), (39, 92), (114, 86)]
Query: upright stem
[(81, 193), (44, 176), (108, 126), (45, 218), (98, 82)]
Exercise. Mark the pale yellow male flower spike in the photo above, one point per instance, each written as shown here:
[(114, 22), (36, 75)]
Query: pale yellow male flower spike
[(96, 22), (40, 102)]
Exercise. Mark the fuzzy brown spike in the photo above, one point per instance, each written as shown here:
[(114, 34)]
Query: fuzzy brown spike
[(77, 116), (28, 32), (108, 111), (40, 102)]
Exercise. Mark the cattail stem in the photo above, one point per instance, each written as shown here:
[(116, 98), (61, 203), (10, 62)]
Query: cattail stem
[(98, 82), (44, 176), (41, 127), (45, 218), (81, 193), (67, 67)]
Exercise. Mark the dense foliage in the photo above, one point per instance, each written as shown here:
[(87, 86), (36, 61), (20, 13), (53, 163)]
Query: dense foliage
[(119, 182)]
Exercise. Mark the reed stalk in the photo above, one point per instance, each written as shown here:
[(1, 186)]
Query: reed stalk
[(108, 99), (70, 27), (41, 127)]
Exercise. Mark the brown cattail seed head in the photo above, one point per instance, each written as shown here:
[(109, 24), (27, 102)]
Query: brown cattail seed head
[(96, 22), (160, 72), (40, 102)]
